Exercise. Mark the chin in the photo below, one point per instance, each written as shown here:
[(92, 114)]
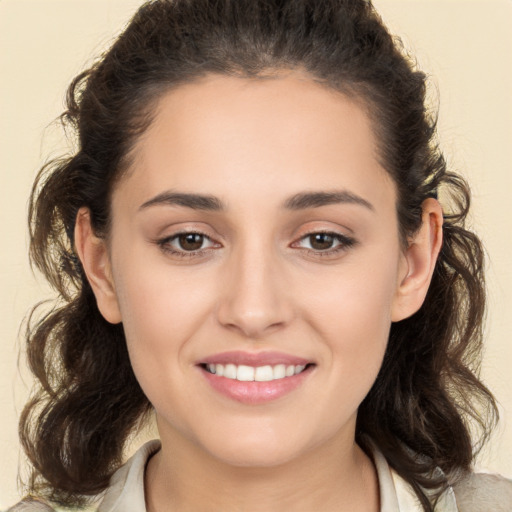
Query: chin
[(257, 451), (255, 458)]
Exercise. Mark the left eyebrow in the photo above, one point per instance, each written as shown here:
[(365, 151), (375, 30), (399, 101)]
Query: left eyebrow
[(316, 199)]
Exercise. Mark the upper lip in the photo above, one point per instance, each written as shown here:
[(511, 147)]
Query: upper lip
[(238, 357)]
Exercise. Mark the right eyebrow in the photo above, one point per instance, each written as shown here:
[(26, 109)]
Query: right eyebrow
[(193, 201)]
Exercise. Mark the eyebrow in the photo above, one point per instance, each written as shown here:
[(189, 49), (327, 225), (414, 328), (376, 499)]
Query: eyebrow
[(300, 201), (193, 201), (305, 200)]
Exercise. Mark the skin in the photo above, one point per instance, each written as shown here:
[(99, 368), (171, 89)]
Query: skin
[(258, 283)]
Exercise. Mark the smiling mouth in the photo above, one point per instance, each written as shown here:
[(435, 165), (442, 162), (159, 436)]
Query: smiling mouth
[(255, 378), (266, 373)]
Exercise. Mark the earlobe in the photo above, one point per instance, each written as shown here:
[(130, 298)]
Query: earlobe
[(94, 256), (419, 262)]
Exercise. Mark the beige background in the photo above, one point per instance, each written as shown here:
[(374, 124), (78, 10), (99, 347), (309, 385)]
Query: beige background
[(466, 45)]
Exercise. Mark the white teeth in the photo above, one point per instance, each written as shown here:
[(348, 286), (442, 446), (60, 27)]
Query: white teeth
[(245, 373), (259, 373), (230, 371), (264, 373), (279, 371)]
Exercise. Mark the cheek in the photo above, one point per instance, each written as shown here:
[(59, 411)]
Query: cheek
[(153, 296), (161, 313), (161, 310), (351, 312), (356, 296)]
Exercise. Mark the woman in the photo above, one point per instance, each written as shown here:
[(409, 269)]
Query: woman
[(249, 243)]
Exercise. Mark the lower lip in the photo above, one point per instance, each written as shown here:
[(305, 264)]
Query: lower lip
[(254, 392)]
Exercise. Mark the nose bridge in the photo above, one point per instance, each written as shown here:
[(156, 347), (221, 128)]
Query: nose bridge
[(254, 300)]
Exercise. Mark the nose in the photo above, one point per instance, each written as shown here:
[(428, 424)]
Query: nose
[(254, 299)]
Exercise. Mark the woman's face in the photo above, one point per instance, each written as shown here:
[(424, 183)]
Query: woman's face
[(256, 236)]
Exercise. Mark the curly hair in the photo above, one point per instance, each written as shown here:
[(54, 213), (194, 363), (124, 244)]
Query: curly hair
[(427, 398)]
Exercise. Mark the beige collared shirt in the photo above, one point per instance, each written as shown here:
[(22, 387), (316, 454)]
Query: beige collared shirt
[(476, 492), (126, 492)]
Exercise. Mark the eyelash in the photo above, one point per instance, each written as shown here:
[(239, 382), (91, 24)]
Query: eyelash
[(164, 244), (344, 242)]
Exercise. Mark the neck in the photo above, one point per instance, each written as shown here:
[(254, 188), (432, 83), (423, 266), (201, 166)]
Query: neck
[(336, 477)]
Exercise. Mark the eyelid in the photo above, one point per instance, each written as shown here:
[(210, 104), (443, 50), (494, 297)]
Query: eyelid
[(205, 237)]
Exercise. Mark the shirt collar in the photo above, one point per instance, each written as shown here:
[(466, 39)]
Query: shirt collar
[(126, 490), (397, 495)]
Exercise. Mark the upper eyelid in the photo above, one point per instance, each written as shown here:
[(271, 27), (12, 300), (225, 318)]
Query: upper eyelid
[(327, 231), (323, 231), (323, 225), (191, 232), (304, 235), (187, 231), (341, 238)]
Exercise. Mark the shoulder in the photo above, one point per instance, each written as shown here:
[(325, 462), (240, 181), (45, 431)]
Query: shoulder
[(37, 505), (125, 491), (479, 492), (31, 505)]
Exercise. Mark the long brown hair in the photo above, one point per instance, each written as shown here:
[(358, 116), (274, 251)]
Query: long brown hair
[(87, 401)]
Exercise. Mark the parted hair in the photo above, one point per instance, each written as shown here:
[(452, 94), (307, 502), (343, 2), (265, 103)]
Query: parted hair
[(427, 407)]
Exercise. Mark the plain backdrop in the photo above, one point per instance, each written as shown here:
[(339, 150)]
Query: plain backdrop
[(466, 47)]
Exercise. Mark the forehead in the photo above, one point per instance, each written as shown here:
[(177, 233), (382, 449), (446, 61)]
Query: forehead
[(222, 133)]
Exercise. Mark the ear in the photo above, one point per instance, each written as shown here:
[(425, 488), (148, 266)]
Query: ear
[(419, 260), (94, 255)]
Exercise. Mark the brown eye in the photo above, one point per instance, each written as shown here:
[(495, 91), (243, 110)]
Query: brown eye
[(188, 244), (321, 241), (190, 241), (325, 243)]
